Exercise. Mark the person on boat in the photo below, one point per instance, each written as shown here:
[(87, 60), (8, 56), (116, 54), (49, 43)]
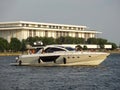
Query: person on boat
[(78, 48), (31, 51)]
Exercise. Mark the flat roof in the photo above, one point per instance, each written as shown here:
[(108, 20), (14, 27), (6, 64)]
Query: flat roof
[(27, 22)]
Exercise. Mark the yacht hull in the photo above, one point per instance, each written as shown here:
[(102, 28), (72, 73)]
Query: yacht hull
[(63, 59)]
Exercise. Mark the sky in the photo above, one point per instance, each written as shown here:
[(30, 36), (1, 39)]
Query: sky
[(99, 15)]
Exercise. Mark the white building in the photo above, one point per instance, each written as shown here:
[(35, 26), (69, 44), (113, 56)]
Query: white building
[(23, 30)]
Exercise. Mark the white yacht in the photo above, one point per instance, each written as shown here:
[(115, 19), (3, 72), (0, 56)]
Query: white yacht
[(57, 55)]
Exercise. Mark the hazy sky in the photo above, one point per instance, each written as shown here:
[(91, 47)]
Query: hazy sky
[(100, 15)]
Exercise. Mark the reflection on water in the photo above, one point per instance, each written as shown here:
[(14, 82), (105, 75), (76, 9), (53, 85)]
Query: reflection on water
[(103, 77)]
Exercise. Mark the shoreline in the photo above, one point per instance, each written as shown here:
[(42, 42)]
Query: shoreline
[(10, 54)]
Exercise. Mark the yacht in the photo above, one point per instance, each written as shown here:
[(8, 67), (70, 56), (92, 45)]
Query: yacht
[(59, 55)]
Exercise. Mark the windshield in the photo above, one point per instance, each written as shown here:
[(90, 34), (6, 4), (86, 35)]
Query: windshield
[(70, 48)]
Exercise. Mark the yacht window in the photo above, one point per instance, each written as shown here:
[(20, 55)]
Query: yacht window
[(70, 48), (50, 50)]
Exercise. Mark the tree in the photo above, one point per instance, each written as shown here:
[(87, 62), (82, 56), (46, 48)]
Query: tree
[(101, 46), (92, 41), (101, 41), (4, 45), (30, 40), (69, 40), (15, 44), (114, 46), (60, 40), (23, 45), (45, 40), (48, 40), (79, 40)]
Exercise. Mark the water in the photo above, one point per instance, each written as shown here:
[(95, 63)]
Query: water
[(103, 77)]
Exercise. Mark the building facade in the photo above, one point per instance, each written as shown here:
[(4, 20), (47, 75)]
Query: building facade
[(24, 29)]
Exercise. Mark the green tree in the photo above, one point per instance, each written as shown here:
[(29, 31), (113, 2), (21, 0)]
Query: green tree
[(114, 46), (23, 45), (45, 40), (79, 40), (60, 40), (30, 40), (4, 45), (69, 40), (92, 41), (65, 40), (48, 40), (101, 41), (15, 44), (101, 46)]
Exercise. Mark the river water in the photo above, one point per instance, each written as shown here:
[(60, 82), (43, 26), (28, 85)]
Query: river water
[(103, 77)]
